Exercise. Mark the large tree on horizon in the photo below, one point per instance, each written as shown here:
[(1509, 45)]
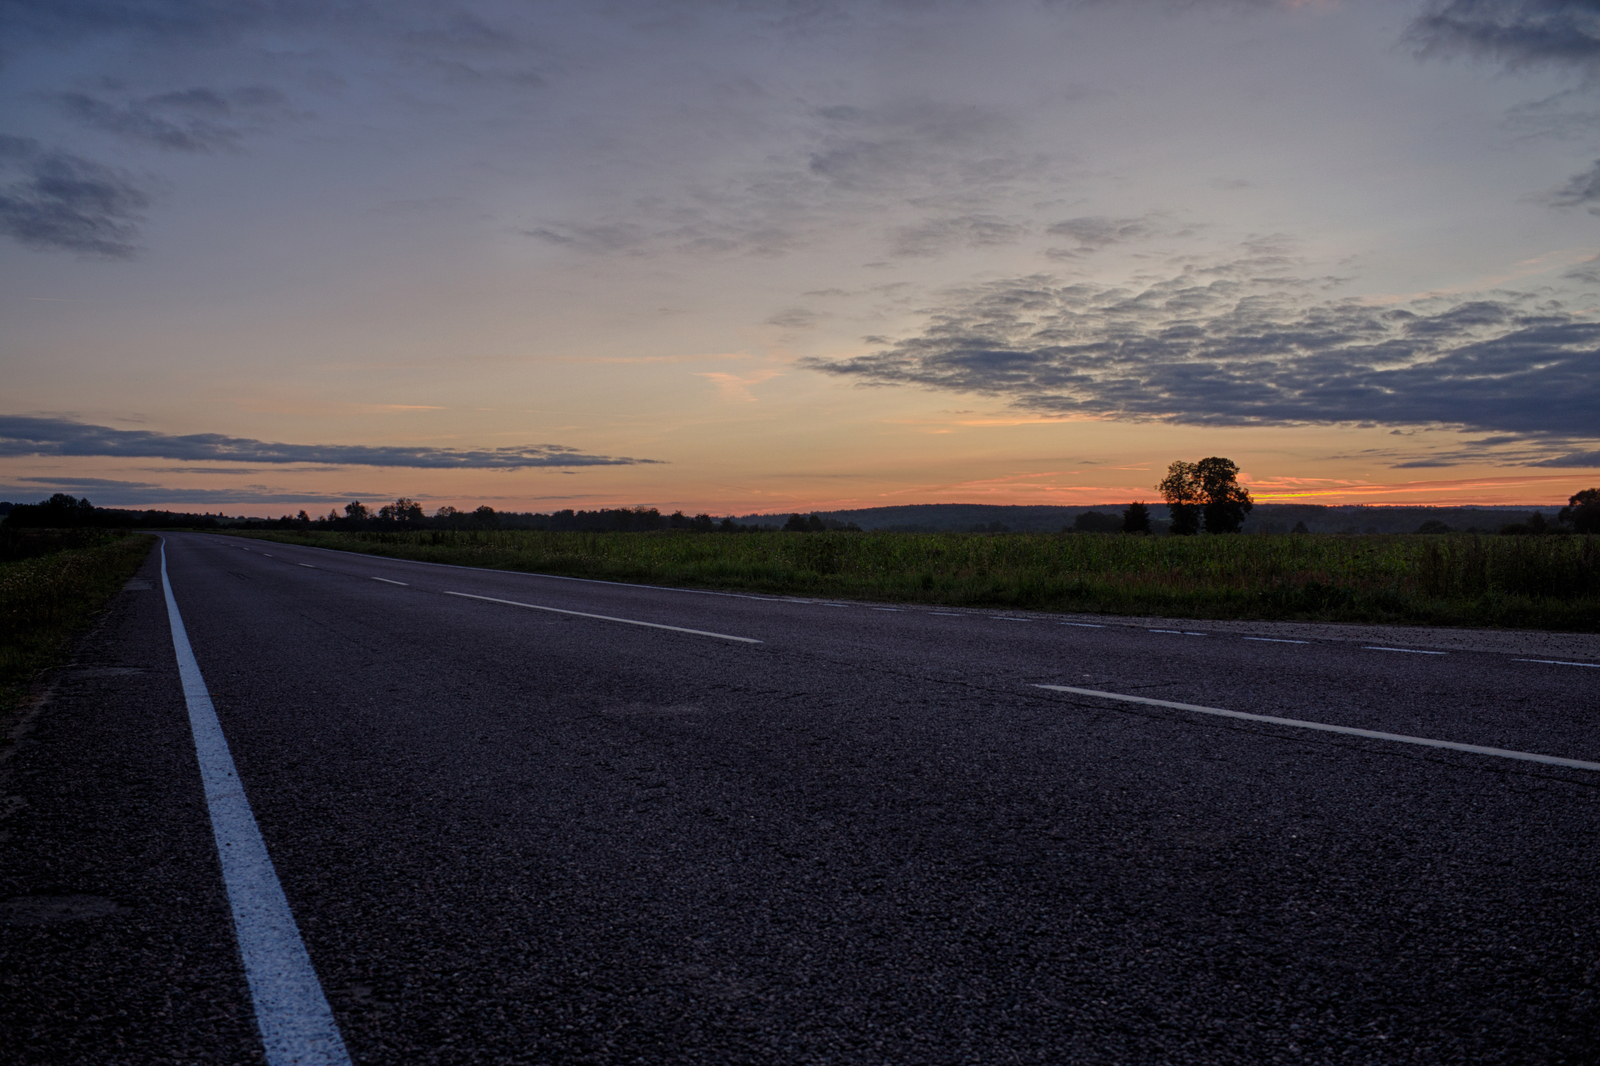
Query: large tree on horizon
[(1209, 488)]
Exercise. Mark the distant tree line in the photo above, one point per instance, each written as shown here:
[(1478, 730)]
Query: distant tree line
[(64, 512), (1203, 495)]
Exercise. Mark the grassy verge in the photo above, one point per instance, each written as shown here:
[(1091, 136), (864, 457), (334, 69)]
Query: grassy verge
[(52, 584), (1457, 579)]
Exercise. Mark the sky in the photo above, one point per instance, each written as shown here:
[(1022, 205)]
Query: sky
[(734, 256)]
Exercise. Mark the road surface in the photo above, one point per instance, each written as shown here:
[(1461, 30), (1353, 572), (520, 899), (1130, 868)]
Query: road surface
[(528, 819)]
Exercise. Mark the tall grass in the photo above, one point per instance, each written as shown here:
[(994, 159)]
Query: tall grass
[(50, 589), (1458, 579)]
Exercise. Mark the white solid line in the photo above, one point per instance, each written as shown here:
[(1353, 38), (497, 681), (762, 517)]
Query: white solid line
[(388, 582), (297, 1028), (604, 617), (1504, 753), (1408, 651), (1081, 625), (1276, 640), (1558, 662)]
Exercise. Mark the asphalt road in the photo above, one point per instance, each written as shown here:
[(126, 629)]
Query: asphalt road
[(517, 835)]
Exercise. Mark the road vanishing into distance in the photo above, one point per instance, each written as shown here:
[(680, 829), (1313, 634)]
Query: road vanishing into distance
[(527, 819)]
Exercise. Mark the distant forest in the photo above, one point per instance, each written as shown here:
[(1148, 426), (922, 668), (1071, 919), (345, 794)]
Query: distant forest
[(61, 511)]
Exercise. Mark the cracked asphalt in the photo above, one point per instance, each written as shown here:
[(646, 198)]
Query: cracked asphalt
[(514, 835)]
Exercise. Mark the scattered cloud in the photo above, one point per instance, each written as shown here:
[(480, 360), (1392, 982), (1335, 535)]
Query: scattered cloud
[(794, 318), (869, 146), (1580, 190), (729, 229), (940, 235), (64, 437), (1227, 346), (56, 201), (1093, 233)]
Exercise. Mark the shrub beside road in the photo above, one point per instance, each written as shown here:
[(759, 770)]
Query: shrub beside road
[(52, 584)]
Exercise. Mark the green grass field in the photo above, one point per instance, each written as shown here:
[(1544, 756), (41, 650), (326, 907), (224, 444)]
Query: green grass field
[(1548, 582), (52, 584)]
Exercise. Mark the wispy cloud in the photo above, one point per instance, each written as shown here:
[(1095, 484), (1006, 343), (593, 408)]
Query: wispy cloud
[(185, 120), (64, 437), (59, 201), (736, 387)]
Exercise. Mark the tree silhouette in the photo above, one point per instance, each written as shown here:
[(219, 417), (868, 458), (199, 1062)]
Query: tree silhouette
[(1210, 488), (1181, 489), (1226, 501), (1136, 518), (1583, 511)]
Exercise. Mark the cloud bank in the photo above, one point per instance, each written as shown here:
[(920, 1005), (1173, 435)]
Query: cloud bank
[(1224, 347), (23, 436)]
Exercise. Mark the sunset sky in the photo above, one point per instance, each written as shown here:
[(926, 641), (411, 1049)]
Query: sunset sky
[(755, 255)]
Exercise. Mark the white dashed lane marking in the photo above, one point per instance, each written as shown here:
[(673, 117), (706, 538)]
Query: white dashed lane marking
[(1407, 651), (1372, 734), (386, 581), (605, 618), (1557, 662)]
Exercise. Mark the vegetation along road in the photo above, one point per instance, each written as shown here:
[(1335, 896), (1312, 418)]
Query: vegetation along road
[(514, 818)]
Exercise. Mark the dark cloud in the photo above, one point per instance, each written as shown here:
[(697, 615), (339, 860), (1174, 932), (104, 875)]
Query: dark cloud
[(64, 437), (1518, 33), (59, 201), (187, 120), (1225, 346)]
